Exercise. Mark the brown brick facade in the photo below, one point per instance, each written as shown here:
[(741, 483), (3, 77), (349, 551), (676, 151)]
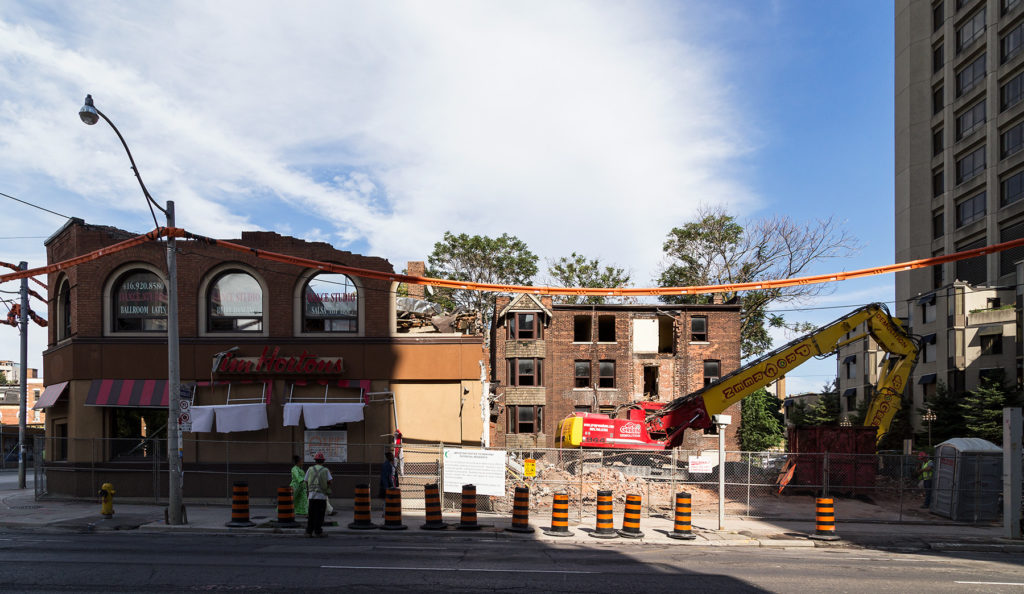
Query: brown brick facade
[(616, 334)]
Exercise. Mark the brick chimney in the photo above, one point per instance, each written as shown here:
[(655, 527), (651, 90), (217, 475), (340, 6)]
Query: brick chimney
[(416, 269)]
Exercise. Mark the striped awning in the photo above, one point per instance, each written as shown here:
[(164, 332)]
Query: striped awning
[(132, 393), (50, 395)]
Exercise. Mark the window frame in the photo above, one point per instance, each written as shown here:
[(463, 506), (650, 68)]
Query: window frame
[(696, 334), (208, 286), (515, 375), (304, 322), (710, 365), (1011, 92), (994, 346), (602, 327), (63, 327), (1014, 134), (515, 325), (1016, 179), (1014, 35), (577, 365), (968, 77), (579, 328), (971, 209), (972, 159), (513, 424), (119, 278), (974, 26), (970, 119), (938, 224), (604, 380)]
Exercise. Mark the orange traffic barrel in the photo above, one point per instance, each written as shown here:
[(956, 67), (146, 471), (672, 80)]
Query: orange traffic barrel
[(631, 517), (393, 510), (605, 527), (521, 512), (361, 505), (432, 496), (559, 516), (240, 505), (825, 519), (468, 519), (683, 529), (285, 508)]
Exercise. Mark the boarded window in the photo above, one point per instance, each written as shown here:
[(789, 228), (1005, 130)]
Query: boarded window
[(645, 336)]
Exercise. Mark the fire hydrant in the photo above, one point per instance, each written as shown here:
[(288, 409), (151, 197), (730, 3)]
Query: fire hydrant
[(107, 500)]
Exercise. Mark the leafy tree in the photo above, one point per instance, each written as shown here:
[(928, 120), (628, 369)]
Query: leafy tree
[(982, 409), (478, 258), (3, 379), (716, 249), (761, 426), (577, 271), (798, 414), (825, 411)]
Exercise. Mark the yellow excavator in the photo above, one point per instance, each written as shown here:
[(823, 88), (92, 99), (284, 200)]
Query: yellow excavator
[(664, 426)]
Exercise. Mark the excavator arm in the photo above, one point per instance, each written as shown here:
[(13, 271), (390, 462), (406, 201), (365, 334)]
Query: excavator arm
[(694, 411)]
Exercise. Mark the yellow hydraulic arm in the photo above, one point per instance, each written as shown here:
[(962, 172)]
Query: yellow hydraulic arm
[(694, 411)]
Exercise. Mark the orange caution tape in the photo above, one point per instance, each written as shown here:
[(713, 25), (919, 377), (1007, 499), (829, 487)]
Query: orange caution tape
[(537, 290)]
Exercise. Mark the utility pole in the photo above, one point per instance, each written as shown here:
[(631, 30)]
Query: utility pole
[(23, 377)]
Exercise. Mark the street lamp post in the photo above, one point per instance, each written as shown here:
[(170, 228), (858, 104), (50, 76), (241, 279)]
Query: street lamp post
[(929, 416), (90, 115)]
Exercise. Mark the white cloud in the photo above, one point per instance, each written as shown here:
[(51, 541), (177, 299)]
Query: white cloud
[(577, 126)]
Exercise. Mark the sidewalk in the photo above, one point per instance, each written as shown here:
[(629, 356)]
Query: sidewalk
[(20, 510)]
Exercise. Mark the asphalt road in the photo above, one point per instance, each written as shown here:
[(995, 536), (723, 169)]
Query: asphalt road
[(36, 561)]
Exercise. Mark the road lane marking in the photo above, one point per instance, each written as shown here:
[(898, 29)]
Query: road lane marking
[(392, 568), (993, 583)]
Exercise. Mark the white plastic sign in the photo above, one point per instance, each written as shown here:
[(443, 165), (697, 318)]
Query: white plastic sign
[(485, 469)]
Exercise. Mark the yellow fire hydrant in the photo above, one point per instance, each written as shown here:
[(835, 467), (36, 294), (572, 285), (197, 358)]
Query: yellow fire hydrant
[(107, 500)]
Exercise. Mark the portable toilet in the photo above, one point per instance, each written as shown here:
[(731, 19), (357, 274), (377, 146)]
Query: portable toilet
[(968, 480)]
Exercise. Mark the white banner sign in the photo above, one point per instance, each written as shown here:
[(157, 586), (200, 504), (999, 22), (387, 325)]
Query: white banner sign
[(333, 444), (484, 469), (700, 464)]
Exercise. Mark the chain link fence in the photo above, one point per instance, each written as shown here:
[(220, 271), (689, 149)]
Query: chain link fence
[(755, 483)]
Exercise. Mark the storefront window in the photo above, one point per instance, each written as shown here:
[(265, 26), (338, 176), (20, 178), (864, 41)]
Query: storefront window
[(235, 303), (330, 304), (138, 433), (140, 303)]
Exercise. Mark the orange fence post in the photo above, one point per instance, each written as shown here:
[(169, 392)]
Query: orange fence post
[(683, 529), (631, 517), (240, 505), (432, 497), (393, 510), (361, 516), (468, 520), (521, 512), (559, 516), (605, 526), (285, 508)]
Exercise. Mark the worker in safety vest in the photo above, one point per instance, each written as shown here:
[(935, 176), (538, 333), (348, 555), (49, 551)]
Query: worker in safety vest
[(925, 470)]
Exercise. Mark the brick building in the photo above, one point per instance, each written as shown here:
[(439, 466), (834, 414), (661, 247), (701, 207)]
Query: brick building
[(286, 359), (551, 360)]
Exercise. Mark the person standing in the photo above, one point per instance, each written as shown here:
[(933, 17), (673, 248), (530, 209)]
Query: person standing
[(388, 474), (298, 485), (925, 470), (318, 481)]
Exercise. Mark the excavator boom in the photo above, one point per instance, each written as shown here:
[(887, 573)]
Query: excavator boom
[(694, 410)]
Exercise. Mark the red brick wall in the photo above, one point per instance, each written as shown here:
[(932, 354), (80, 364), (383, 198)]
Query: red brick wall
[(680, 372)]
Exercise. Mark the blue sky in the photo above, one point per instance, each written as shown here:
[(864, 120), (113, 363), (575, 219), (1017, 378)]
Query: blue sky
[(591, 127)]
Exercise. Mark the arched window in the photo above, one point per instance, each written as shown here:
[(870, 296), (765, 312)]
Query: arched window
[(330, 303), (64, 310), (140, 303), (234, 303)]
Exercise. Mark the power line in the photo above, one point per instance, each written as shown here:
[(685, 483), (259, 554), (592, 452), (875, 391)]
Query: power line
[(33, 205)]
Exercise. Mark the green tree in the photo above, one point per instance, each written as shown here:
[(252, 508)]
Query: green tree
[(577, 271), (825, 411), (3, 379), (716, 249), (982, 409), (798, 414), (504, 260), (761, 426)]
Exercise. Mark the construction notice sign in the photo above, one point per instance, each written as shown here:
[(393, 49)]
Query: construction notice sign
[(530, 467), (700, 464), (332, 444), (484, 469)]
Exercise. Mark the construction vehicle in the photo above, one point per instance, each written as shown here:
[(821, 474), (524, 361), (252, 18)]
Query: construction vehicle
[(654, 425)]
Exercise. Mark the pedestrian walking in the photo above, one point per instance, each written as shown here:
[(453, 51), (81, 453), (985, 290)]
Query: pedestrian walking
[(298, 485), (388, 474), (318, 481), (925, 471)]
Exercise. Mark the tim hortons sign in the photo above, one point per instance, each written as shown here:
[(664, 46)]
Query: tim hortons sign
[(272, 361)]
